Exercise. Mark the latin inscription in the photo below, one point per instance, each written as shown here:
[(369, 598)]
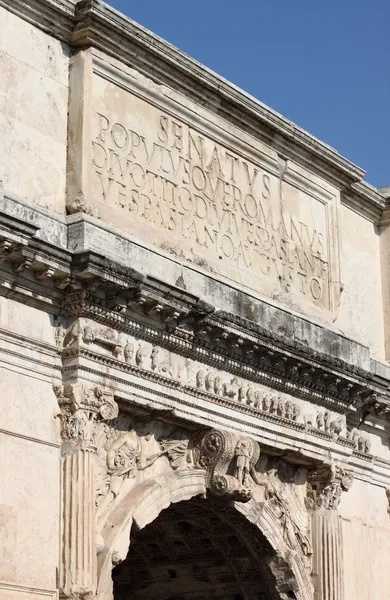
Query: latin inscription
[(221, 210)]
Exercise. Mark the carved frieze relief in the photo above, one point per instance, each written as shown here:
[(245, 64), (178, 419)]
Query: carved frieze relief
[(219, 386), (88, 333), (303, 379)]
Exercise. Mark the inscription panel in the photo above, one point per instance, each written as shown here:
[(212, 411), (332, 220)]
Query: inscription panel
[(262, 223)]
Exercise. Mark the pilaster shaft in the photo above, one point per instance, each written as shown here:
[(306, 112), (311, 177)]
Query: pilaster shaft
[(82, 407), (326, 485), (327, 555)]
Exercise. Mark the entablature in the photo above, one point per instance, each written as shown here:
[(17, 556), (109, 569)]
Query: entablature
[(85, 283)]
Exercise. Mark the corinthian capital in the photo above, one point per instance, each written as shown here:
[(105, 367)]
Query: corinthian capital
[(327, 483), (82, 406)]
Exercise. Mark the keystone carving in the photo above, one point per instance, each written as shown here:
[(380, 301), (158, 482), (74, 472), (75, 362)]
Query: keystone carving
[(228, 460), (326, 485)]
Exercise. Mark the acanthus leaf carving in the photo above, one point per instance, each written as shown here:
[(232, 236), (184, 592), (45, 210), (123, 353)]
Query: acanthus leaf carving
[(82, 405), (326, 484)]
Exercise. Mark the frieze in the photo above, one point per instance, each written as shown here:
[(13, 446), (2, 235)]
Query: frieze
[(218, 386), (304, 379)]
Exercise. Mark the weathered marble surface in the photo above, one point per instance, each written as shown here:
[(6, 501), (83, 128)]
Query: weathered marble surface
[(161, 166), (33, 112), (208, 320)]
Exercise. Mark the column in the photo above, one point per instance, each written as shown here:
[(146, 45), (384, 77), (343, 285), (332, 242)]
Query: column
[(82, 406), (326, 485)]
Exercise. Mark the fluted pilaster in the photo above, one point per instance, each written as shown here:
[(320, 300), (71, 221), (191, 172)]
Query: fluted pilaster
[(78, 572), (82, 407), (327, 484), (327, 555)]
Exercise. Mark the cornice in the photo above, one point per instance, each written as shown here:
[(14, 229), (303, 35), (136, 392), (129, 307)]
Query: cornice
[(366, 200), (94, 23), (88, 284), (100, 26), (56, 17)]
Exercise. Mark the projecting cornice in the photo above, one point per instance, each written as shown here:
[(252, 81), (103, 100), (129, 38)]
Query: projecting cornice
[(39, 269), (93, 23)]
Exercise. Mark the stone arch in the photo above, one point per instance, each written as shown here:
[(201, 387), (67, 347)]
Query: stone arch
[(140, 507), (144, 503), (287, 564)]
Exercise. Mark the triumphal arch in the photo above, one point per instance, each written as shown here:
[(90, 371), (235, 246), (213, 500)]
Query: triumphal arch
[(194, 331)]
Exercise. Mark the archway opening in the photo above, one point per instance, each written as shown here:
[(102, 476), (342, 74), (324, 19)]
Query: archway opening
[(197, 550)]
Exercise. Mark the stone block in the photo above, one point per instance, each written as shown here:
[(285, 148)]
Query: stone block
[(29, 512)]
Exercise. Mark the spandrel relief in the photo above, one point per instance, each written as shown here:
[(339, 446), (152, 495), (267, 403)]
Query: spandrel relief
[(236, 468), (284, 486), (168, 179), (128, 447)]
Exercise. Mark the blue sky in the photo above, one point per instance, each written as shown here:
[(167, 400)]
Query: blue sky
[(324, 65)]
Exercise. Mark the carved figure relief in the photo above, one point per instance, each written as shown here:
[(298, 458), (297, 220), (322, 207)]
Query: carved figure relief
[(278, 483), (159, 363), (336, 427), (88, 334), (59, 336), (124, 458), (128, 352), (243, 453), (361, 443), (141, 356), (231, 389), (126, 447)]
